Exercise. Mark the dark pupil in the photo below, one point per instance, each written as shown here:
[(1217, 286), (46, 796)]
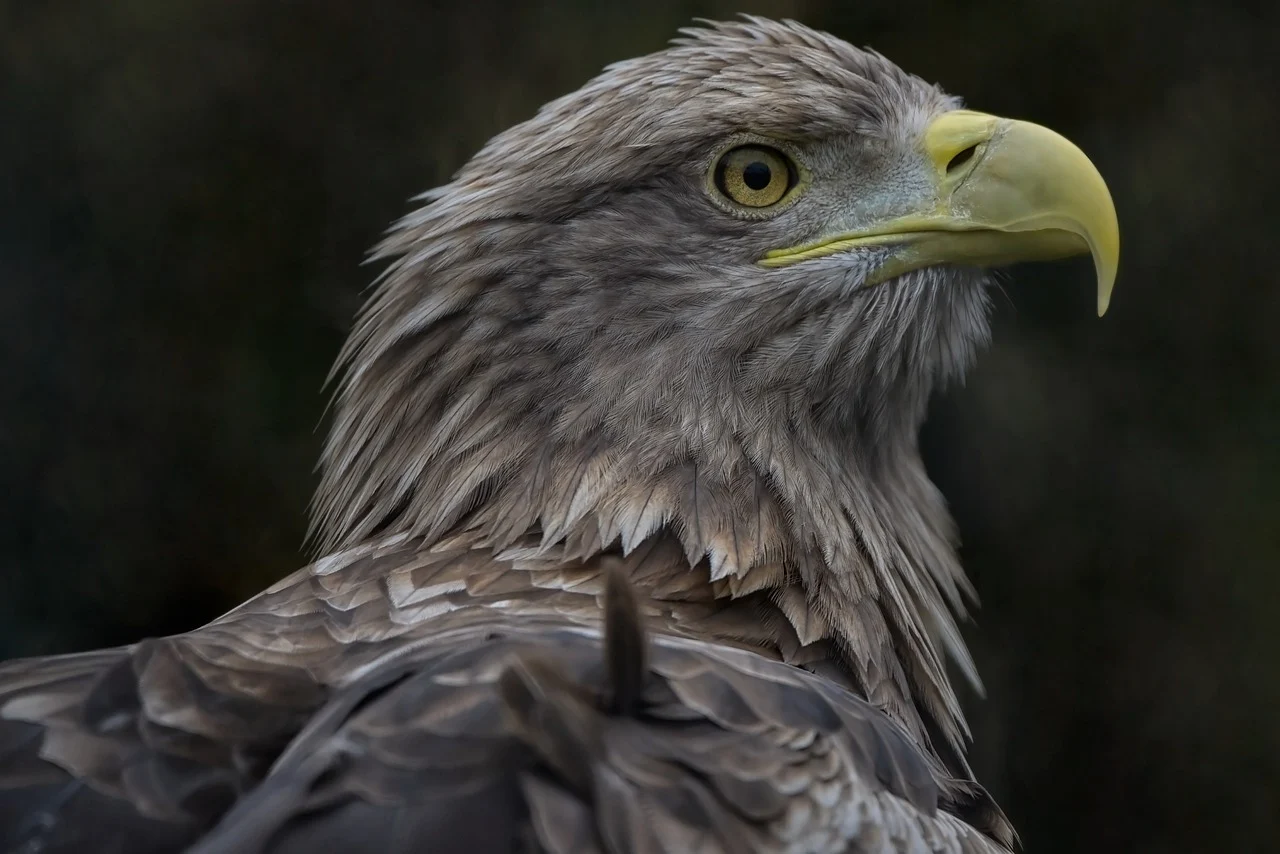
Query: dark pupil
[(756, 175)]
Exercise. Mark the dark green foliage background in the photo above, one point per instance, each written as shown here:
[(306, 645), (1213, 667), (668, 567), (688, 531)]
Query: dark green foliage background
[(187, 189)]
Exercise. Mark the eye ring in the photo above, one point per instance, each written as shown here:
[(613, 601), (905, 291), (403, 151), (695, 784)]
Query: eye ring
[(754, 177)]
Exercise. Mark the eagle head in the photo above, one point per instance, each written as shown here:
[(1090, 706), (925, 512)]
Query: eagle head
[(707, 297)]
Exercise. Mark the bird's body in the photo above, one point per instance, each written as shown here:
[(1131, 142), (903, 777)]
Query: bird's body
[(377, 672), (630, 543)]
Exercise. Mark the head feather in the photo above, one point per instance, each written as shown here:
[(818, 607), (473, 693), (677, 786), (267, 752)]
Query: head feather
[(571, 344)]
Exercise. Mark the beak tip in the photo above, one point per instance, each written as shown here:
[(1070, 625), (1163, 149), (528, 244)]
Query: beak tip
[(1104, 295), (1106, 272)]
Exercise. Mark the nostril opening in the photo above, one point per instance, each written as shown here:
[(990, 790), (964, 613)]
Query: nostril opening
[(962, 158)]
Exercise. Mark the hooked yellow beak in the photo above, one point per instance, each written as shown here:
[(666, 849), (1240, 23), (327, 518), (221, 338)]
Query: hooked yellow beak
[(1007, 191)]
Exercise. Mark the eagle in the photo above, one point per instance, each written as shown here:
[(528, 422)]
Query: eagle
[(628, 545)]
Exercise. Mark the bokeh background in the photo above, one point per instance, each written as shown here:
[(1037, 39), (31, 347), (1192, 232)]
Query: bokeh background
[(187, 190)]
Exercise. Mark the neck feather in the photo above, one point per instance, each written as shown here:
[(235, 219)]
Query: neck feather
[(789, 476)]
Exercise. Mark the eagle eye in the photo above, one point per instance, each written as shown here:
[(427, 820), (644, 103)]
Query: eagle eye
[(754, 176)]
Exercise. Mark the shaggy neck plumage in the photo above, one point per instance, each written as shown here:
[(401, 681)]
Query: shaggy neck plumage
[(774, 436)]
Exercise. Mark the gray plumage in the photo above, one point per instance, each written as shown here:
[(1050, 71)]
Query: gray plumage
[(630, 544)]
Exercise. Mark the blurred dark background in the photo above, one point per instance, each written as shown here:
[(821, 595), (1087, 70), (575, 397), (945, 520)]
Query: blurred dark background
[(187, 190)]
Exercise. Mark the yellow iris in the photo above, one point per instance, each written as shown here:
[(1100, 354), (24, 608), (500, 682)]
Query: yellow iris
[(754, 176)]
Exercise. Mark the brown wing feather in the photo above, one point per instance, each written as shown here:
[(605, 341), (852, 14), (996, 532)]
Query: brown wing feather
[(126, 750), (392, 698)]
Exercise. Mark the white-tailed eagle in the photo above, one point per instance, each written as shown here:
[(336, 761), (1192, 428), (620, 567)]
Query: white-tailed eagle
[(629, 545)]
